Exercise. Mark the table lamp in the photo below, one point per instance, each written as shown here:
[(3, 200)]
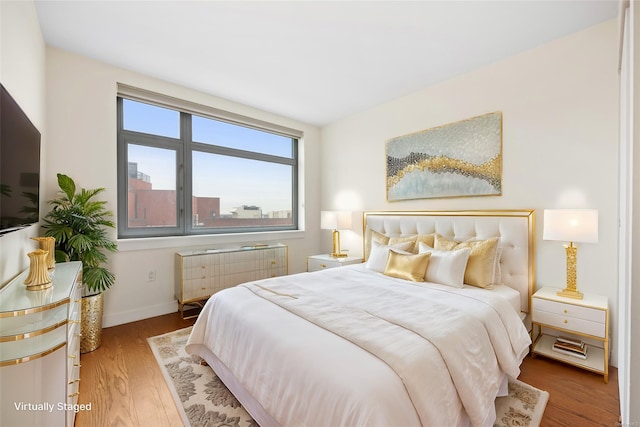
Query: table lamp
[(571, 225), (335, 220)]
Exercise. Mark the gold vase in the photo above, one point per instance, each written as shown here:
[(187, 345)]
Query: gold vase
[(48, 244), (91, 322), (38, 277)]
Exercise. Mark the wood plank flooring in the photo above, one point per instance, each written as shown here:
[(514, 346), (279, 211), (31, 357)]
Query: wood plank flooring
[(125, 387), (576, 397), (122, 380)]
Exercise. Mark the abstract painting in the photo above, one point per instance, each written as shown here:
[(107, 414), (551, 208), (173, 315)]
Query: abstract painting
[(457, 159)]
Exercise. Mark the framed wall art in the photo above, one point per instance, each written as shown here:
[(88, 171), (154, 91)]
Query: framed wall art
[(453, 160)]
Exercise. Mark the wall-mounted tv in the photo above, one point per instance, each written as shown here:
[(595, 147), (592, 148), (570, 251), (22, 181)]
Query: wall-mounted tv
[(19, 166)]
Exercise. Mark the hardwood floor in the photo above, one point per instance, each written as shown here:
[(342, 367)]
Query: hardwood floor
[(125, 387), (576, 397), (122, 380)]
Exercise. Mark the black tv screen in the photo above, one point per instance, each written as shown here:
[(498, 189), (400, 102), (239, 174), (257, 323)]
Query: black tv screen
[(19, 166)]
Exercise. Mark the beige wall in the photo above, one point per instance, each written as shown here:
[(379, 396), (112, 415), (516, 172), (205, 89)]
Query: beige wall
[(560, 140), (81, 108), (22, 72)]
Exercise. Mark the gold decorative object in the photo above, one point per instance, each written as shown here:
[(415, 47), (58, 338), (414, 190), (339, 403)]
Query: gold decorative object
[(91, 322), (48, 244), (571, 225), (38, 277)]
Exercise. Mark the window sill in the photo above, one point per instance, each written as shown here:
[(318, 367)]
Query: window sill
[(213, 240)]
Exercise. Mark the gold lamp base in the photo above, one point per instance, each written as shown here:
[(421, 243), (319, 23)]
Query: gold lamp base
[(336, 246), (570, 294), (571, 291)]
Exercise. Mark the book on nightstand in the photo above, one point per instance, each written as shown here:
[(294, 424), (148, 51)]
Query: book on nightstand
[(570, 341), (570, 347)]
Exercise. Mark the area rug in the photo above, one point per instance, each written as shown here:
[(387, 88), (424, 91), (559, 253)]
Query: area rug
[(204, 401)]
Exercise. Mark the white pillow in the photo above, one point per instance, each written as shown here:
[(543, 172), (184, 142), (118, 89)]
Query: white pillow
[(497, 269), (446, 267), (379, 253)]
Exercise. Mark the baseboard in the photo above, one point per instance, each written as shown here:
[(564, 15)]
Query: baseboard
[(114, 319)]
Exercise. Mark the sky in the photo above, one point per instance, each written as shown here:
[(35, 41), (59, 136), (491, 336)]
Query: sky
[(236, 181)]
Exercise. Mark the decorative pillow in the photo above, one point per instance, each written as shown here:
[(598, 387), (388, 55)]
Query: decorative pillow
[(442, 243), (379, 254), (395, 240), (407, 266), (374, 236), (446, 267), (497, 271), (424, 238), (379, 237), (482, 258)]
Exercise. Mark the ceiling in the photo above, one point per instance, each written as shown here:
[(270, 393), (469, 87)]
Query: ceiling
[(313, 61)]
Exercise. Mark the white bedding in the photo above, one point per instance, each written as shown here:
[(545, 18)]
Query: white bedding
[(302, 374), (511, 295)]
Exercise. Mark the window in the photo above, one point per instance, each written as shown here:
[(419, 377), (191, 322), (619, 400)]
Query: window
[(188, 169)]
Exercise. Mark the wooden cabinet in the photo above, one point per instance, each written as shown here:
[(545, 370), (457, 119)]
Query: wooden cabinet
[(40, 350), (324, 261), (200, 274), (586, 319)]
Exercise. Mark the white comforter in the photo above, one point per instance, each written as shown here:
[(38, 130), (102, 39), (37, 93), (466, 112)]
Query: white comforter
[(386, 352)]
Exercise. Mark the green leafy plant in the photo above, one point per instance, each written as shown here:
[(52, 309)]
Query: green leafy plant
[(79, 224)]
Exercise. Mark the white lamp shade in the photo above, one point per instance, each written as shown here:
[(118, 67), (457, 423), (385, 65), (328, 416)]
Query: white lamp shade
[(571, 225), (335, 220)]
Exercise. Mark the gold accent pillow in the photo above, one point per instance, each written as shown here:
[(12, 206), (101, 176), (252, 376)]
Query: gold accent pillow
[(396, 240), (383, 239), (407, 267), (482, 259), (379, 237), (379, 253), (427, 239)]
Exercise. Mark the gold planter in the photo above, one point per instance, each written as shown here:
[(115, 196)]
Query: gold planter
[(91, 322)]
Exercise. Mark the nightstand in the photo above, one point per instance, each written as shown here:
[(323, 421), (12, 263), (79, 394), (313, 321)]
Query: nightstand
[(324, 261), (586, 318)]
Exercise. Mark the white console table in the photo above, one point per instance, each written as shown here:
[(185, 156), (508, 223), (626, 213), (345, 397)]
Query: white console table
[(200, 274), (40, 350)]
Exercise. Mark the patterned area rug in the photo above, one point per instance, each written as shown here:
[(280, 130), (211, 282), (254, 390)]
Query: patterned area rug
[(204, 401)]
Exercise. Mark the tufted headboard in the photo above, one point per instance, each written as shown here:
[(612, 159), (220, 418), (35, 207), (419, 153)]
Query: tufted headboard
[(513, 227)]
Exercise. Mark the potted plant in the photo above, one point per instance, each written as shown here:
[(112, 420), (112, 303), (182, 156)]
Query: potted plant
[(79, 224)]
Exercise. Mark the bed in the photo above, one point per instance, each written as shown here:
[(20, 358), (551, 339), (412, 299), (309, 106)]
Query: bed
[(374, 345)]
